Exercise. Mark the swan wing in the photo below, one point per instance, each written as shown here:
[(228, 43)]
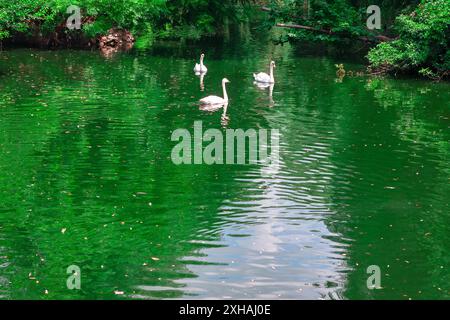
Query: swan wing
[(261, 77), (199, 68), (212, 100)]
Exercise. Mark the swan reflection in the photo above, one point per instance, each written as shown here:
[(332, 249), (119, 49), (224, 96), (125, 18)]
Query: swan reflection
[(213, 107), (224, 118), (264, 86), (201, 75)]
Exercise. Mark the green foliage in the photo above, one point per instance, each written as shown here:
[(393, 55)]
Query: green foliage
[(15, 14), (144, 18), (146, 39), (423, 42), (98, 27), (421, 29), (195, 18), (339, 17)]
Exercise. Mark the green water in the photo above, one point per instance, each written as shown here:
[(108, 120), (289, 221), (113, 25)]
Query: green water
[(86, 179)]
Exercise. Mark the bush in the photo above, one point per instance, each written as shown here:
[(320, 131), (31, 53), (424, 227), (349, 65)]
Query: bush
[(422, 44)]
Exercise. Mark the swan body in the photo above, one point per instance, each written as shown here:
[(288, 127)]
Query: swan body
[(263, 77), (200, 67), (213, 100), (216, 100)]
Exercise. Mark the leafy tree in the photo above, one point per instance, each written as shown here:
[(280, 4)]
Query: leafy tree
[(423, 42), (141, 17), (420, 29)]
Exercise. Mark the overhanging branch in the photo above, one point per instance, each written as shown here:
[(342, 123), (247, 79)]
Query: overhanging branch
[(375, 38)]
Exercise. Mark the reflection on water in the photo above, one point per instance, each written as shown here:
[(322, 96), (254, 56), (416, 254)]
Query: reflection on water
[(264, 87), (201, 76), (363, 179)]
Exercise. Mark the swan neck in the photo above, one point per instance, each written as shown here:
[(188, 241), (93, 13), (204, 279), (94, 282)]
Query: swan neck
[(271, 73), (201, 61), (225, 96)]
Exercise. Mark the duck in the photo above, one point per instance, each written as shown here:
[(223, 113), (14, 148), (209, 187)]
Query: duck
[(263, 77), (340, 70), (216, 100), (200, 67)]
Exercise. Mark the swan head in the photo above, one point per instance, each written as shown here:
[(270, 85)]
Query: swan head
[(202, 55), (225, 80), (272, 64)]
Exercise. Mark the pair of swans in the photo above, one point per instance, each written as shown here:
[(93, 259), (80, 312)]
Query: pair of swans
[(261, 78), (213, 101)]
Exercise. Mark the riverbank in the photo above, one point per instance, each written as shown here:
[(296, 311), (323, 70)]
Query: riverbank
[(406, 40), (59, 24)]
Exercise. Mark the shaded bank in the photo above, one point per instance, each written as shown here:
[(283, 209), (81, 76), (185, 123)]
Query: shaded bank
[(60, 23), (113, 41)]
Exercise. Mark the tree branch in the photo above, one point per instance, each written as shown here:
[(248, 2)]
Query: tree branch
[(375, 38)]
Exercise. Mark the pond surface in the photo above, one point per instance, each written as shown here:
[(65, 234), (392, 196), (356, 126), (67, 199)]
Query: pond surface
[(86, 178)]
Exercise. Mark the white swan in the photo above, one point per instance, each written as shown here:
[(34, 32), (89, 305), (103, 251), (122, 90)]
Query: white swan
[(264, 77), (215, 100), (200, 67)]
